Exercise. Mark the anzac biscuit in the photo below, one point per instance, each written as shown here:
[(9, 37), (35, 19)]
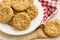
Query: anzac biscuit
[(32, 11), (6, 13), (7, 2), (51, 29), (20, 5), (21, 21), (1, 5), (31, 1), (57, 24)]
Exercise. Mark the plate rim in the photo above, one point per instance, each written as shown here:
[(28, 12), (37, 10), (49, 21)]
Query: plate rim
[(27, 32)]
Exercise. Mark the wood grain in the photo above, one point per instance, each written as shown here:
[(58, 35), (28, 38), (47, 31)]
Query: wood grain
[(37, 34)]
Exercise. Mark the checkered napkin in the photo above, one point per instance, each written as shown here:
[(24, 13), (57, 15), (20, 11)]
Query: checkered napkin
[(49, 7)]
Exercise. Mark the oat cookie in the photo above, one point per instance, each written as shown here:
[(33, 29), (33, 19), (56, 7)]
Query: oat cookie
[(6, 13), (31, 1), (32, 11), (6, 2), (1, 5), (51, 29), (57, 24), (21, 21), (20, 5)]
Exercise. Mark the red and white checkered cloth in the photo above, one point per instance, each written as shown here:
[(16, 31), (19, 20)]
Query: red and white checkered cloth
[(49, 6)]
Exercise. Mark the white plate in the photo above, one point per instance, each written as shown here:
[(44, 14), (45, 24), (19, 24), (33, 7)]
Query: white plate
[(34, 23)]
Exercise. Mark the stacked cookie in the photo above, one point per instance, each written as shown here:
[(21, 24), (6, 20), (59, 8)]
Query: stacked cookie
[(18, 13)]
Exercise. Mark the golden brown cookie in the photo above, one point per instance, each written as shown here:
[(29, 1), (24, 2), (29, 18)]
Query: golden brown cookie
[(6, 13), (32, 11), (21, 21), (20, 5), (1, 5), (31, 1), (51, 29), (6, 2), (57, 24)]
